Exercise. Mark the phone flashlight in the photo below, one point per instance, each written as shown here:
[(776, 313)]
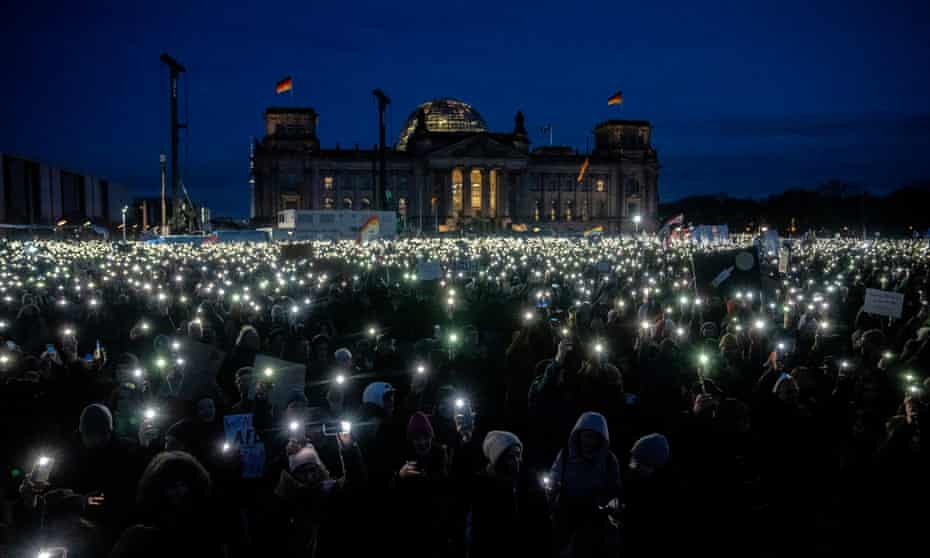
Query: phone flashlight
[(345, 427), (340, 379), (421, 369), (150, 414), (459, 403), (269, 372)]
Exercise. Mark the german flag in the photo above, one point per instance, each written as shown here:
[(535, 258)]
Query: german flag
[(615, 99), (285, 85)]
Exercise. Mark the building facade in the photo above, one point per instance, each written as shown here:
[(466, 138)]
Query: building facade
[(447, 171), (33, 193)]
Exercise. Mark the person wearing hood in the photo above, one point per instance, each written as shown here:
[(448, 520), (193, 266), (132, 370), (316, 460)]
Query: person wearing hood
[(585, 481), (422, 490), (175, 505), (508, 506), (649, 504)]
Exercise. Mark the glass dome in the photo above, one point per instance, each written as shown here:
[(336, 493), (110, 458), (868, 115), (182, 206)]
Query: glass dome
[(443, 115)]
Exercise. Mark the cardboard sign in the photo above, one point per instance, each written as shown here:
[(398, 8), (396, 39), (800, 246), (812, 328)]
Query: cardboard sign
[(725, 272), (288, 377), (883, 303), (240, 434), (429, 271), (203, 363)]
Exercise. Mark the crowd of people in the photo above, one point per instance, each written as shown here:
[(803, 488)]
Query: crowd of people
[(461, 398)]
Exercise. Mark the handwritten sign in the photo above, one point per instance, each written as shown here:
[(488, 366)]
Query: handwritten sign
[(884, 303), (240, 434)]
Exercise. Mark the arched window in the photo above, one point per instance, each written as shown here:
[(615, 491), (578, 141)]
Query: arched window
[(584, 210), (476, 191), (457, 193), (329, 203), (328, 183), (347, 202), (599, 186), (366, 203)]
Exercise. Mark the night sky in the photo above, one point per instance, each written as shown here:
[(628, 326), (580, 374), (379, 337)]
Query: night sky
[(747, 98)]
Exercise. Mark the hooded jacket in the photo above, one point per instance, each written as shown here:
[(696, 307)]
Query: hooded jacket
[(580, 484)]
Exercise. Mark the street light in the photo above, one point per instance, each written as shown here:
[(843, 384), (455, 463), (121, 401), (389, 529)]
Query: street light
[(636, 220), (125, 209)]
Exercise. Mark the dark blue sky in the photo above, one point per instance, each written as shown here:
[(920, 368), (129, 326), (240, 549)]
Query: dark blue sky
[(746, 97)]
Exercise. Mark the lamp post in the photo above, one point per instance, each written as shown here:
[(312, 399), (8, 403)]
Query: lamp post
[(125, 209), (636, 220)]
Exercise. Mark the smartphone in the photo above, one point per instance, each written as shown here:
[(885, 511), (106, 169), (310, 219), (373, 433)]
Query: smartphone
[(42, 469), (50, 349)]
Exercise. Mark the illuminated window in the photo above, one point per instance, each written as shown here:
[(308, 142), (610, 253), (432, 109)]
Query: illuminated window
[(568, 210), (599, 186), (476, 190), (366, 203), (328, 183), (536, 211), (552, 211), (347, 202), (457, 194), (329, 203), (492, 202), (402, 206)]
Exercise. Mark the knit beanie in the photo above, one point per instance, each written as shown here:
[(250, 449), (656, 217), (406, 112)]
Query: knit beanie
[(343, 356), (375, 393), (497, 442), (419, 426), (96, 419), (651, 450), (307, 454)]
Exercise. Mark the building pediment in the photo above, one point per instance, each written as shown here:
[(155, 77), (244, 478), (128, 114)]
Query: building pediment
[(479, 146)]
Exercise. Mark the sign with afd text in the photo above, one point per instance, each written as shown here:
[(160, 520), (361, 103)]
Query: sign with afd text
[(883, 303), (240, 434)]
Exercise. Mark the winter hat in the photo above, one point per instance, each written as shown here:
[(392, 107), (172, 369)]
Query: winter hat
[(343, 356), (497, 442), (418, 426), (651, 450), (307, 454), (96, 419), (375, 393)]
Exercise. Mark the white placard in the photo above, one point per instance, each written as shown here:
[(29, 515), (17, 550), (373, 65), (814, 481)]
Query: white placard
[(883, 303)]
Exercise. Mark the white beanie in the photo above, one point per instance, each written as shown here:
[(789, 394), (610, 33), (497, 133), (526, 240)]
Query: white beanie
[(497, 442), (375, 393), (343, 356), (307, 454)]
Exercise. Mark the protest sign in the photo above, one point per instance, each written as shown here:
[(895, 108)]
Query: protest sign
[(883, 303), (287, 377), (725, 272), (240, 434), (429, 271), (202, 364)]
